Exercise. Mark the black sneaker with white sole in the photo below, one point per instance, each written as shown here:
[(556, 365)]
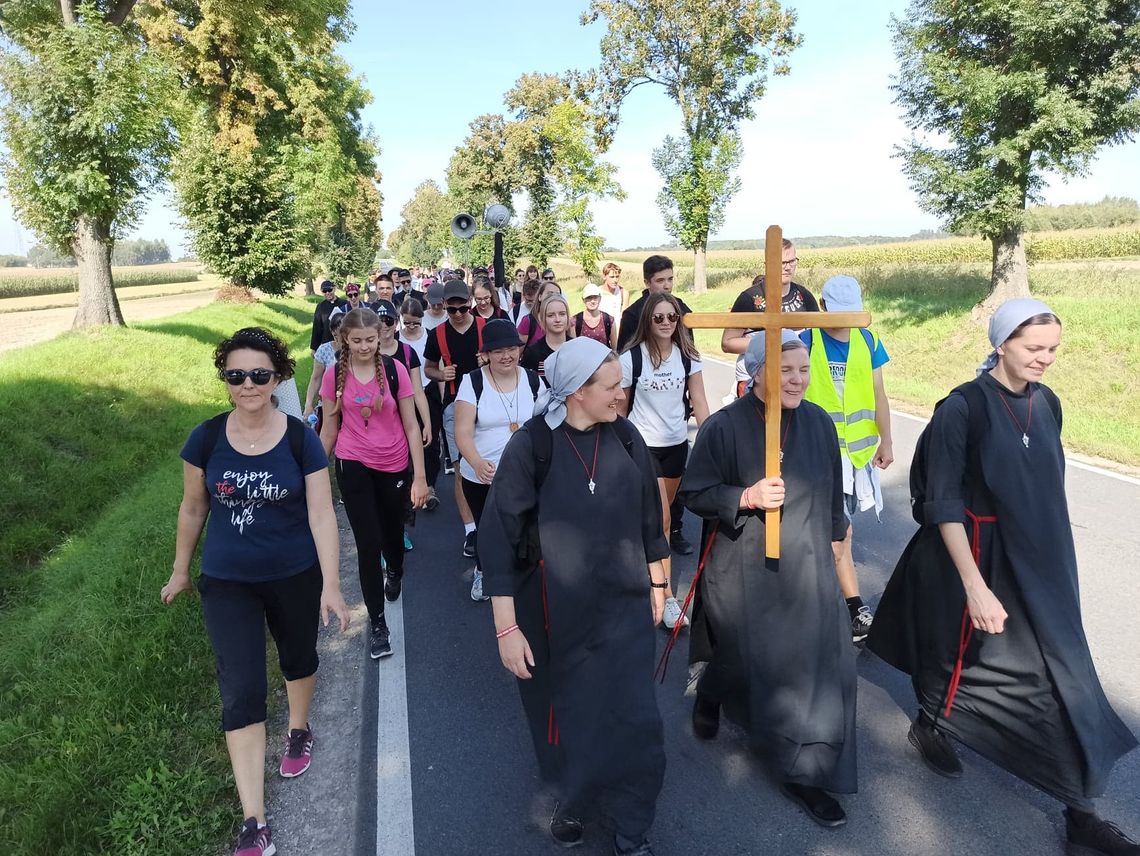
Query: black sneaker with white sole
[(379, 640), (392, 585), (469, 544)]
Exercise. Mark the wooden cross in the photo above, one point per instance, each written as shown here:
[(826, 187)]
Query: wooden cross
[(774, 319)]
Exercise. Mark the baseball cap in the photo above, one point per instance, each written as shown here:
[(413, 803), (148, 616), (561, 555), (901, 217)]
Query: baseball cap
[(843, 294), (328, 285), (384, 309), (435, 293), (591, 290), (456, 290)]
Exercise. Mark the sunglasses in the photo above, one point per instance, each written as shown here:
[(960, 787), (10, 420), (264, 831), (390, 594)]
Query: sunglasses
[(387, 320), (327, 290), (458, 310), (405, 282), (408, 325), (353, 293), (236, 377), (548, 278), (661, 318)]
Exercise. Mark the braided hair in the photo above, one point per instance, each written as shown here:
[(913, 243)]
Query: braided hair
[(358, 319)]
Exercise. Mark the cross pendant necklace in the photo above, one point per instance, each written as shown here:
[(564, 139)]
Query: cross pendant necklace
[(1028, 419), (589, 470)]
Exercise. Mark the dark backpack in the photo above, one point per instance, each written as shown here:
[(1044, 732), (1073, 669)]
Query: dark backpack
[(977, 425), (542, 445), (477, 387), (607, 323), (635, 369), (393, 385), (294, 432)]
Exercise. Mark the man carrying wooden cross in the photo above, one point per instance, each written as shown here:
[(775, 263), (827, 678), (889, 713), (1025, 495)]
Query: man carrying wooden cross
[(781, 663)]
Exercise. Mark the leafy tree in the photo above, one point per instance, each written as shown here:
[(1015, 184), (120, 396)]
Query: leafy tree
[(140, 252), (44, 256), (699, 180), (713, 58), (85, 121), (1015, 88), (426, 227)]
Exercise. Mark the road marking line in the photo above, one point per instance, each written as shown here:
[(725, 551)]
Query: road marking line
[(395, 830)]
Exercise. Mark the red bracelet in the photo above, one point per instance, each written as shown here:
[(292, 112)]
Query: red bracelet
[(507, 632)]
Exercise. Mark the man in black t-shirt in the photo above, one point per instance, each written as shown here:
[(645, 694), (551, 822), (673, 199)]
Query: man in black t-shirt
[(795, 298), (658, 274), (321, 332), (452, 350)]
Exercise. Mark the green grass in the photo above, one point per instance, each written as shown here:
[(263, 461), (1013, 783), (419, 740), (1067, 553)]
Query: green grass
[(109, 739), (922, 314)]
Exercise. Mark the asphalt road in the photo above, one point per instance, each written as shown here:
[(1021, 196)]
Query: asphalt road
[(446, 767)]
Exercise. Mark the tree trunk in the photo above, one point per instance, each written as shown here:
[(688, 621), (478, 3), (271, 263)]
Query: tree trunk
[(97, 301), (700, 274), (1010, 274), (309, 290)]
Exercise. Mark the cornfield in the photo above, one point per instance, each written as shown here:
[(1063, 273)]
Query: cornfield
[(24, 282)]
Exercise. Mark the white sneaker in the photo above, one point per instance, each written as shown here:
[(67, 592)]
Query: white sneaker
[(477, 586), (673, 614)]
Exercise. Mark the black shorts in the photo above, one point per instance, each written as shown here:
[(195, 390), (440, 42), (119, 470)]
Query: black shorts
[(669, 461), (236, 615)]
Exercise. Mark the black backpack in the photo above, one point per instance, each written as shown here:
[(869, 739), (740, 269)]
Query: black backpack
[(542, 444), (607, 323), (635, 369), (477, 387), (977, 425), (294, 431)]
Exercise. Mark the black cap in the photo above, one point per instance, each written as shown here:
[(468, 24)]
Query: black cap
[(384, 308), (500, 333), (328, 285), (455, 289)]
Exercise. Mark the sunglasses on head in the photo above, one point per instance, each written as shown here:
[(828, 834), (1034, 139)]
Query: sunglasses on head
[(236, 377), (661, 317), (458, 310)]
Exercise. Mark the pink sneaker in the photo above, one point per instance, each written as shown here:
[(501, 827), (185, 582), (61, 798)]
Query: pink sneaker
[(253, 841), (298, 752)]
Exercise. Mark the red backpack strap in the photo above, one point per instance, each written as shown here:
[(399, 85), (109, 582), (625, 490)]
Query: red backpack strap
[(480, 321), (441, 339)]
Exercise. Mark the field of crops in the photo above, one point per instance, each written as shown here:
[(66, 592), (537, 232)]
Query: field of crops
[(29, 282), (1040, 247)]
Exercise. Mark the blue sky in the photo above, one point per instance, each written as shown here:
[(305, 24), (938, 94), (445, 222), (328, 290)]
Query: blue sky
[(817, 157)]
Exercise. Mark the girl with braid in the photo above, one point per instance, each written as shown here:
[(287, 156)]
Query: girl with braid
[(370, 422)]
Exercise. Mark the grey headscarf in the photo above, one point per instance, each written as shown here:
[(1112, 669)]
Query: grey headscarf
[(754, 356), (567, 371), (1008, 317)]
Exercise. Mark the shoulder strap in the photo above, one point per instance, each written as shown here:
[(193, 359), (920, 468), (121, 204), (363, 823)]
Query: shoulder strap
[(624, 429), (477, 388), (407, 355), (687, 363), (295, 432), (441, 339), (534, 381), (480, 322), (635, 373), (542, 443), (212, 432), (608, 321), (579, 320), (393, 376), (976, 404)]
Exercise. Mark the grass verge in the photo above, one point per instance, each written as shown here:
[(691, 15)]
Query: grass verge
[(922, 314), (108, 705)]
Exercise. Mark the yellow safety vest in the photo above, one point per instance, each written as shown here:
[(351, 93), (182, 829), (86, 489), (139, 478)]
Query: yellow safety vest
[(854, 417)]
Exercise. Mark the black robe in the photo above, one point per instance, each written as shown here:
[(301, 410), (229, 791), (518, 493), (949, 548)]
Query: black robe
[(782, 664), (1029, 698), (586, 613)]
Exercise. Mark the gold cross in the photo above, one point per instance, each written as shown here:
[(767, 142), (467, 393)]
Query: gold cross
[(773, 319)]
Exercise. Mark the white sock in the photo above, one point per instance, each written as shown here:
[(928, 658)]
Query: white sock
[(468, 528)]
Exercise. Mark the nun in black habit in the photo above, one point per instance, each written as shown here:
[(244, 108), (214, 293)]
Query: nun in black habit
[(983, 609), (781, 665), (577, 627)]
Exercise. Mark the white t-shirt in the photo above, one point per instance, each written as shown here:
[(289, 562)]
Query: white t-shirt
[(494, 415), (418, 346), (611, 303), (659, 407), (431, 323)]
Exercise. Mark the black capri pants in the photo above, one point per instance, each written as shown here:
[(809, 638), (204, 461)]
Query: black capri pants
[(236, 616)]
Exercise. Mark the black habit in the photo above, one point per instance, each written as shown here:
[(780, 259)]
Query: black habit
[(781, 662), (585, 612), (1029, 698)]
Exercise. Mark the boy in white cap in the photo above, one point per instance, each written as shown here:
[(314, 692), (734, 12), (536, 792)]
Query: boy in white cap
[(592, 322), (847, 382)]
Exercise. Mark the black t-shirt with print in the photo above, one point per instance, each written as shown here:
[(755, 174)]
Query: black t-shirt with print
[(798, 299), (464, 351), (534, 357)]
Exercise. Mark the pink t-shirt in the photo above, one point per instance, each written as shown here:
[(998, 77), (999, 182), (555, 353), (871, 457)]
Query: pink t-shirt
[(382, 444)]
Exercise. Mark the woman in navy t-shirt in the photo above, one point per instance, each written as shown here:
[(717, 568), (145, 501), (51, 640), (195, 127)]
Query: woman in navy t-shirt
[(258, 482)]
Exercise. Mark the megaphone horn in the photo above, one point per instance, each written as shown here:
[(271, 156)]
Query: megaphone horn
[(463, 226)]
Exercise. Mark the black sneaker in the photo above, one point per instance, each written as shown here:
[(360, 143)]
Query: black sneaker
[(379, 641), (642, 849), (934, 748), (861, 624), (680, 544), (817, 804), (392, 585), (469, 544), (432, 502), (565, 829), (1089, 835)]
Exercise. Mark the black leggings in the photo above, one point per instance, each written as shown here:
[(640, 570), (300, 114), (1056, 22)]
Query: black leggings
[(236, 614), (377, 505), (432, 452), (476, 495)]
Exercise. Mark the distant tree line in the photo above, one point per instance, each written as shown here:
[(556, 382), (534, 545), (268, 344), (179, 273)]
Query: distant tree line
[(138, 251)]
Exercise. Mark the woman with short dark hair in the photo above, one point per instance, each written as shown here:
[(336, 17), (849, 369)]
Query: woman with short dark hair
[(257, 481)]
